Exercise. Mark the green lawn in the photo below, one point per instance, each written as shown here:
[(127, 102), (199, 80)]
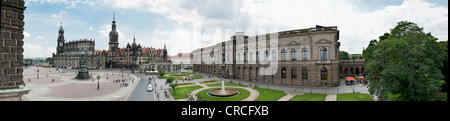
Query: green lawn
[(181, 92), (226, 84), (309, 97), (242, 95), (268, 95), (354, 97)]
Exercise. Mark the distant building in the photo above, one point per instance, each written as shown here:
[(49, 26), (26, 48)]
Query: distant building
[(69, 54)]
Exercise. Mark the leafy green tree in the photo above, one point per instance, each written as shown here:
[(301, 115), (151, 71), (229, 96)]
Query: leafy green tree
[(173, 87), (48, 60), (171, 84), (444, 70), (357, 57), (161, 72), (405, 63), (343, 55)]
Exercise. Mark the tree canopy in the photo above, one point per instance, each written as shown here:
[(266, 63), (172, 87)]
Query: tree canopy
[(405, 62), (343, 55)]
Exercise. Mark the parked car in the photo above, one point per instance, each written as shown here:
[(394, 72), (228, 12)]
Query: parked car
[(149, 88)]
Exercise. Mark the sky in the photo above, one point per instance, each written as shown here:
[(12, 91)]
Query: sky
[(186, 25)]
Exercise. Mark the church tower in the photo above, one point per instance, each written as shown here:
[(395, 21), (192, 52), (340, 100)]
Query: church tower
[(60, 46), (114, 37)]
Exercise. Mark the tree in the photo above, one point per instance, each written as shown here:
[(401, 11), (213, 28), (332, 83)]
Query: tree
[(161, 72), (444, 70), (148, 60), (48, 60), (357, 57), (343, 55), (171, 84), (406, 62)]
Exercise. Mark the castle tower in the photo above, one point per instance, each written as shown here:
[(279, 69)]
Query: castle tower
[(61, 41), (114, 37)]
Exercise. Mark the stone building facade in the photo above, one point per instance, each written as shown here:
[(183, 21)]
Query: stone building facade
[(307, 57), (11, 49), (164, 64), (69, 54)]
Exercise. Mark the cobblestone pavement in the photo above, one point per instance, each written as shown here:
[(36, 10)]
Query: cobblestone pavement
[(66, 88)]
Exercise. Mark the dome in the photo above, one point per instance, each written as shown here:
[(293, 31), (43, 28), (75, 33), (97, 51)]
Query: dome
[(113, 32)]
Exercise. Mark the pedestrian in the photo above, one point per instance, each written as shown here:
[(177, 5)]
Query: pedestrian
[(53, 80), (29, 80), (161, 87)]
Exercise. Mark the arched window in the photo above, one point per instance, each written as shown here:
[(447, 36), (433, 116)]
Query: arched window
[(293, 73), (274, 73), (250, 72), (226, 57), (266, 57), (323, 74), (305, 54), (293, 55), (283, 55), (283, 73), (274, 56), (257, 71), (323, 53), (244, 71), (257, 56), (238, 71), (245, 57), (304, 73), (238, 59), (250, 57)]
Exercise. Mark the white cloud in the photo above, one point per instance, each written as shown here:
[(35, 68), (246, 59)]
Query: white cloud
[(59, 15), (90, 28), (40, 37), (69, 3), (356, 28), (105, 29), (33, 50), (26, 34)]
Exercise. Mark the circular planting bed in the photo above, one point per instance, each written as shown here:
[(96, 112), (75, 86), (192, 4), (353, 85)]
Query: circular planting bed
[(243, 94), (226, 93)]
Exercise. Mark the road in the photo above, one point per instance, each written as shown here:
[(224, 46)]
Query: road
[(140, 93)]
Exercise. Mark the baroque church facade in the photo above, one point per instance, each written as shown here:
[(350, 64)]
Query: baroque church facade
[(70, 53)]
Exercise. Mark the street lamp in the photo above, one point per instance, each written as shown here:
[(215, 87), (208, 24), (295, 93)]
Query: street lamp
[(98, 82), (37, 73)]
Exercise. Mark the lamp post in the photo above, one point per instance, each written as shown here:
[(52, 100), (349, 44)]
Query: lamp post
[(98, 82), (37, 73)]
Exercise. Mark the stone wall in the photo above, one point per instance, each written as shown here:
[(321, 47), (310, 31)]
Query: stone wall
[(11, 49)]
